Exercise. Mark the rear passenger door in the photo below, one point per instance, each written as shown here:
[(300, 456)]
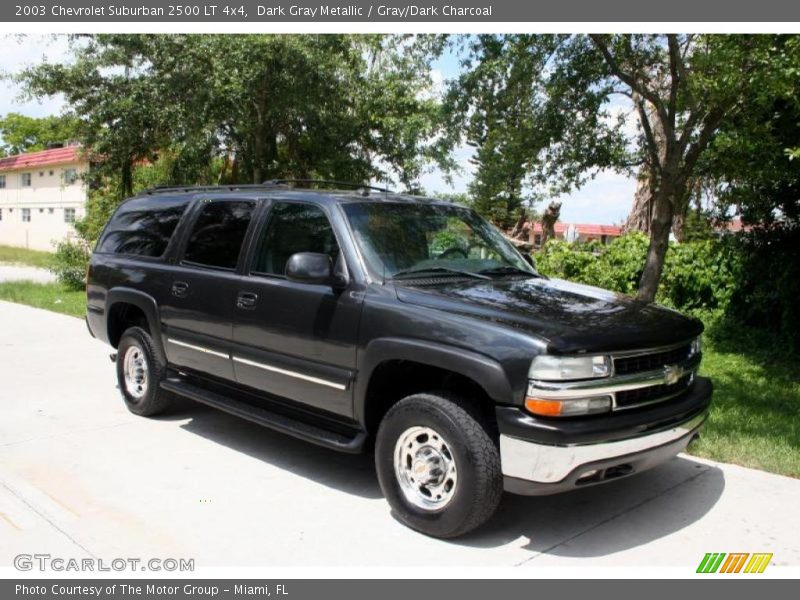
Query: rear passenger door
[(296, 340), (197, 309)]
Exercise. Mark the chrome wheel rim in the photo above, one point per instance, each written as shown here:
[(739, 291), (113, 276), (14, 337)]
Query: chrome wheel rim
[(134, 369), (425, 468)]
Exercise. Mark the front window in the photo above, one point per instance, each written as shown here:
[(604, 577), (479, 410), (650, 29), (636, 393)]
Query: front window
[(69, 215), (400, 240), (25, 179), (292, 228), (2, 181), (26, 215), (70, 176)]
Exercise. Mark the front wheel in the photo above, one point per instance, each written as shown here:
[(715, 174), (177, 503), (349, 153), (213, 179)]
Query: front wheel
[(437, 466)]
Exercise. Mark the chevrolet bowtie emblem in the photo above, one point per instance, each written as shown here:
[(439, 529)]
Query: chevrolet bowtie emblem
[(672, 374)]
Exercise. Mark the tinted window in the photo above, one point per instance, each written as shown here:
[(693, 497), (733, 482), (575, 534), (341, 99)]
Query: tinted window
[(142, 226), (293, 228), (218, 233)]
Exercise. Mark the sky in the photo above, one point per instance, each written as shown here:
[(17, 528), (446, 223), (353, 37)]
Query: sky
[(606, 199)]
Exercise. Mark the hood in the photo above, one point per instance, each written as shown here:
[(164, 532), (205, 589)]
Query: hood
[(570, 317)]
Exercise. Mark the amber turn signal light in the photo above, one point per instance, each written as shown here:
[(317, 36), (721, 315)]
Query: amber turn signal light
[(568, 407)]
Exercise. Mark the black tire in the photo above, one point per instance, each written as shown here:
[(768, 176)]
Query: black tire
[(153, 399), (479, 485)]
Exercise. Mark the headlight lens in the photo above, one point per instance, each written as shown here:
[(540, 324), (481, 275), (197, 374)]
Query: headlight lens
[(565, 368), (568, 408), (697, 345)]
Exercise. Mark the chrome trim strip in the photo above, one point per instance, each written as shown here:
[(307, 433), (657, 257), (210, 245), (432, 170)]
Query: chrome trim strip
[(556, 390), (294, 374), (551, 464), (198, 348), (645, 351)]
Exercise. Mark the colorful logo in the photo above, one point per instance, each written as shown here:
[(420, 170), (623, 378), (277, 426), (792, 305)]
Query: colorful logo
[(735, 562)]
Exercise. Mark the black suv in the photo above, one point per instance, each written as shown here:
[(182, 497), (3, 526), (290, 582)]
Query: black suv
[(342, 317)]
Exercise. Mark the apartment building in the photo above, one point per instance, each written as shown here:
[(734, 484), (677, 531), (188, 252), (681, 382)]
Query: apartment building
[(41, 195)]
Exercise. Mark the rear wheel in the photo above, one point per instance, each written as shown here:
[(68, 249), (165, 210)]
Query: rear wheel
[(437, 465), (141, 367)]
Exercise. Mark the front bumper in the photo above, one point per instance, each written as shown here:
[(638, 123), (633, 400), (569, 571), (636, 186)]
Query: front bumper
[(545, 457)]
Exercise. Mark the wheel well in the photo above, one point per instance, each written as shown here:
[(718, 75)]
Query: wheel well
[(121, 316), (393, 380)]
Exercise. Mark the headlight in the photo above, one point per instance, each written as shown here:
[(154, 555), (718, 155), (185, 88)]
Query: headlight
[(568, 408), (697, 345), (565, 368)]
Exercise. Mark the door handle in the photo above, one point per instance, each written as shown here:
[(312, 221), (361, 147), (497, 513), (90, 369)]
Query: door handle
[(246, 300), (180, 289)]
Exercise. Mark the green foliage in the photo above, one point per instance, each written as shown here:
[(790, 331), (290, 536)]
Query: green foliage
[(20, 133), (245, 108), (69, 264), (50, 296), (697, 275), (768, 287), (24, 256)]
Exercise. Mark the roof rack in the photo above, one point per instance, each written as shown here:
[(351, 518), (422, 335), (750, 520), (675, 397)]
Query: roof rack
[(166, 189), (269, 184), (359, 186)]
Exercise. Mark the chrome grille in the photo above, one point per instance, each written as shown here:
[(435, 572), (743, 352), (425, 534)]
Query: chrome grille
[(639, 378), (624, 365), (653, 393)]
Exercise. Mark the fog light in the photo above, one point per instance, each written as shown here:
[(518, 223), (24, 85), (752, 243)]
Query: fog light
[(568, 408)]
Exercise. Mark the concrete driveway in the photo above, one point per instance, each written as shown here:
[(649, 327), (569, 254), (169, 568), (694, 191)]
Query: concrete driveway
[(80, 476), (9, 272)]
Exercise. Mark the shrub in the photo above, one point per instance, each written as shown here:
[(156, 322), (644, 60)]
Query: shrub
[(697, 275), (70, 262)]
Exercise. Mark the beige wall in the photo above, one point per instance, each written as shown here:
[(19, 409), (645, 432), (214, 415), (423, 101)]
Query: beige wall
[(46, 198)]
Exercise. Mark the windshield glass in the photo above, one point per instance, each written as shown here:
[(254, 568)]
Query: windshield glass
[(430, 239)]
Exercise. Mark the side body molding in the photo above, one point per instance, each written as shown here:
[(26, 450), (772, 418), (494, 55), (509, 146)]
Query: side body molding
[(488, 373)]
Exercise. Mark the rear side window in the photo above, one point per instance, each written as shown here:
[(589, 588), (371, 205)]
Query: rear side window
[(143, 226), (218, 233)]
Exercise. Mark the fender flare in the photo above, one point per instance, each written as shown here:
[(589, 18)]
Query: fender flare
[(148, 305), (485, 371)]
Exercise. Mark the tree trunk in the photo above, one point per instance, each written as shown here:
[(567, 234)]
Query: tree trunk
[(641, 212), (659, 243)]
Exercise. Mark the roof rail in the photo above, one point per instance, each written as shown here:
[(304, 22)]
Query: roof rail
[(166, 189), (360, 186)]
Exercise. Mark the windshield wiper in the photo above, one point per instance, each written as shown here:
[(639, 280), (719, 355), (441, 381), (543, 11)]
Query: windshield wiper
[(507, 269), (411, 273)]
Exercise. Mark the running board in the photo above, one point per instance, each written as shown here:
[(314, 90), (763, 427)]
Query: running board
[(262, 416)]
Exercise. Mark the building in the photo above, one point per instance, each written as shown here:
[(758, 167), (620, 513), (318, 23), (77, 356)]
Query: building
[(41, 195), (583, 232)]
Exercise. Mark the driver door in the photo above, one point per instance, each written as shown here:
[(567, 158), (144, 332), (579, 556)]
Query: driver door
[(295, 340)]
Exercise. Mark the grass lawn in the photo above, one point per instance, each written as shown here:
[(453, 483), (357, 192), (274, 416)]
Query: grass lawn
[(52, 296), (23, 256), (755, 416)]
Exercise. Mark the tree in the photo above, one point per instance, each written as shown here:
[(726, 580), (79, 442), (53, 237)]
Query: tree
[(683, 90), (268, 106), (21, 133)]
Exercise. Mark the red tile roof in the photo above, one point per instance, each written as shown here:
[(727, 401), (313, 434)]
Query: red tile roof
[(56, 156), (583, 228)]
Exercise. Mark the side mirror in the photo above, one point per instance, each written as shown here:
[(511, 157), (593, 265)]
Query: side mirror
[(315, 268), (309, 267)]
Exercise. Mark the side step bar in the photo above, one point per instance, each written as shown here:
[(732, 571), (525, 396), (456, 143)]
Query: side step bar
[(267, 418)]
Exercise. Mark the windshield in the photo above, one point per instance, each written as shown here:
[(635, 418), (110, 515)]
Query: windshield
[(429, 239)]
